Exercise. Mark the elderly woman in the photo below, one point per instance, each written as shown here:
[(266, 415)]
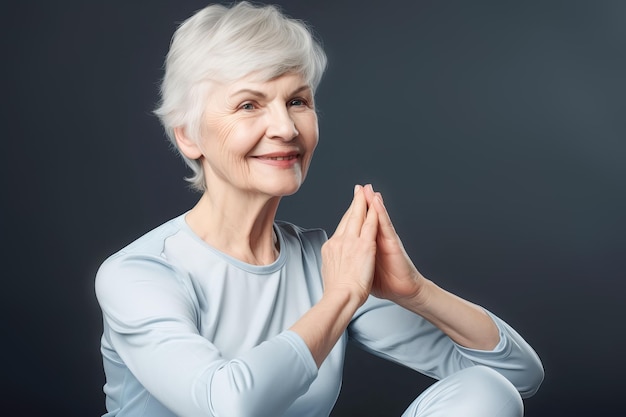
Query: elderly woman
[(224, 311)]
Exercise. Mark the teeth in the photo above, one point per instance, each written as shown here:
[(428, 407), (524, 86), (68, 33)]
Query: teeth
[(281, 158)]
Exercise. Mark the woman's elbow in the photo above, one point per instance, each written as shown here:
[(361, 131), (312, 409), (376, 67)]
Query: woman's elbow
[(236, 392), (234, 407), (529, 383)]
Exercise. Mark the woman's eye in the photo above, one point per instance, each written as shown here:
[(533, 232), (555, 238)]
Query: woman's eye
[(297, 102), (247, 106)]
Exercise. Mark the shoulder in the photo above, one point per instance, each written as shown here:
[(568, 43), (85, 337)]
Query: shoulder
[(153, 241), (314, 237), (140, 264), (146, 249)]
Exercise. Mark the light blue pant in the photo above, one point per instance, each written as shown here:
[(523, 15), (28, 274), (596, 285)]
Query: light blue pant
[(473, 392)]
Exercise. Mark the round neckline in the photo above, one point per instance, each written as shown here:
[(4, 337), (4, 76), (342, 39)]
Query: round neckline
[(257, 269)]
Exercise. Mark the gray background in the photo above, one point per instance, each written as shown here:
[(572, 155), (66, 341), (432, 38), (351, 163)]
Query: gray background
[(495, 130)]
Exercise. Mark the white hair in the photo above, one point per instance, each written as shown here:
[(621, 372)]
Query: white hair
[(223, 44)]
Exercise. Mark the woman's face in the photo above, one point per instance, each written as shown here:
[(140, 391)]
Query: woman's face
[(259, 136)]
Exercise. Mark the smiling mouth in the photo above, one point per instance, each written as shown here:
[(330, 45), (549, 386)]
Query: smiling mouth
[(279, 158)]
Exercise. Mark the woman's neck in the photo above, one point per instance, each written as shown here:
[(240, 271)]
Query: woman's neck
[(238, 225)]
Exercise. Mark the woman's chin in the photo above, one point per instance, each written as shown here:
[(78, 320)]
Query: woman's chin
[(281, 187), (284, 190), (287, 191)]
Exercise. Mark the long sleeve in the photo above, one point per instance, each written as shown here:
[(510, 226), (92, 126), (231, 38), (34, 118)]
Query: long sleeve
[(151, 326), (396, 334)]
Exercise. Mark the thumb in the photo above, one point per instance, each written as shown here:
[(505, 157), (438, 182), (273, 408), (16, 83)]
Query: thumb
[(385, 226)]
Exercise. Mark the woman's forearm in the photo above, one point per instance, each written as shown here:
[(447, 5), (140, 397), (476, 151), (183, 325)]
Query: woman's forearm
[(464, 322), (347, 270), (322, 326)]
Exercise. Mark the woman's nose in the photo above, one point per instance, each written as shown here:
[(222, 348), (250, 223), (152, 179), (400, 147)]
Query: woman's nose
[(281, 125)]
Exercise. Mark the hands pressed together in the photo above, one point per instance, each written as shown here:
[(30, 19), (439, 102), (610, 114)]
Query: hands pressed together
[(365, 255)]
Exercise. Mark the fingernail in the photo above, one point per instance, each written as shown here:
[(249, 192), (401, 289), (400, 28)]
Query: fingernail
[(356, 188)]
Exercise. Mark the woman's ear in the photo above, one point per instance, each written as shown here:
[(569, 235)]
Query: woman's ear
[(187, 146)]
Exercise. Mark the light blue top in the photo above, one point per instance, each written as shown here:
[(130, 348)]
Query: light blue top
[(190, 331)]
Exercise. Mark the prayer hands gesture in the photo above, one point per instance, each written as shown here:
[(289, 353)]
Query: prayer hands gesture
[(366, 254), (349, 255)]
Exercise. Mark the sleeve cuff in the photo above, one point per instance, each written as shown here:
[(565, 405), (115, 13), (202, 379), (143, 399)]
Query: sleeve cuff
[(501, 350)]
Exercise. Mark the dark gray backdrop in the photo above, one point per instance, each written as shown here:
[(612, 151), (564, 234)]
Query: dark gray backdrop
[(496, 131)]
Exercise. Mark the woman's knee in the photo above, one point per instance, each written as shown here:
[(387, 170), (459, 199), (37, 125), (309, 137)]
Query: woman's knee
[(496, 393), (476, 391)]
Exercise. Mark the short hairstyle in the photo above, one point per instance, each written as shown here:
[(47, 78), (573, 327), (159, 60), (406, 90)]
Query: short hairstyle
[(223, 44)]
